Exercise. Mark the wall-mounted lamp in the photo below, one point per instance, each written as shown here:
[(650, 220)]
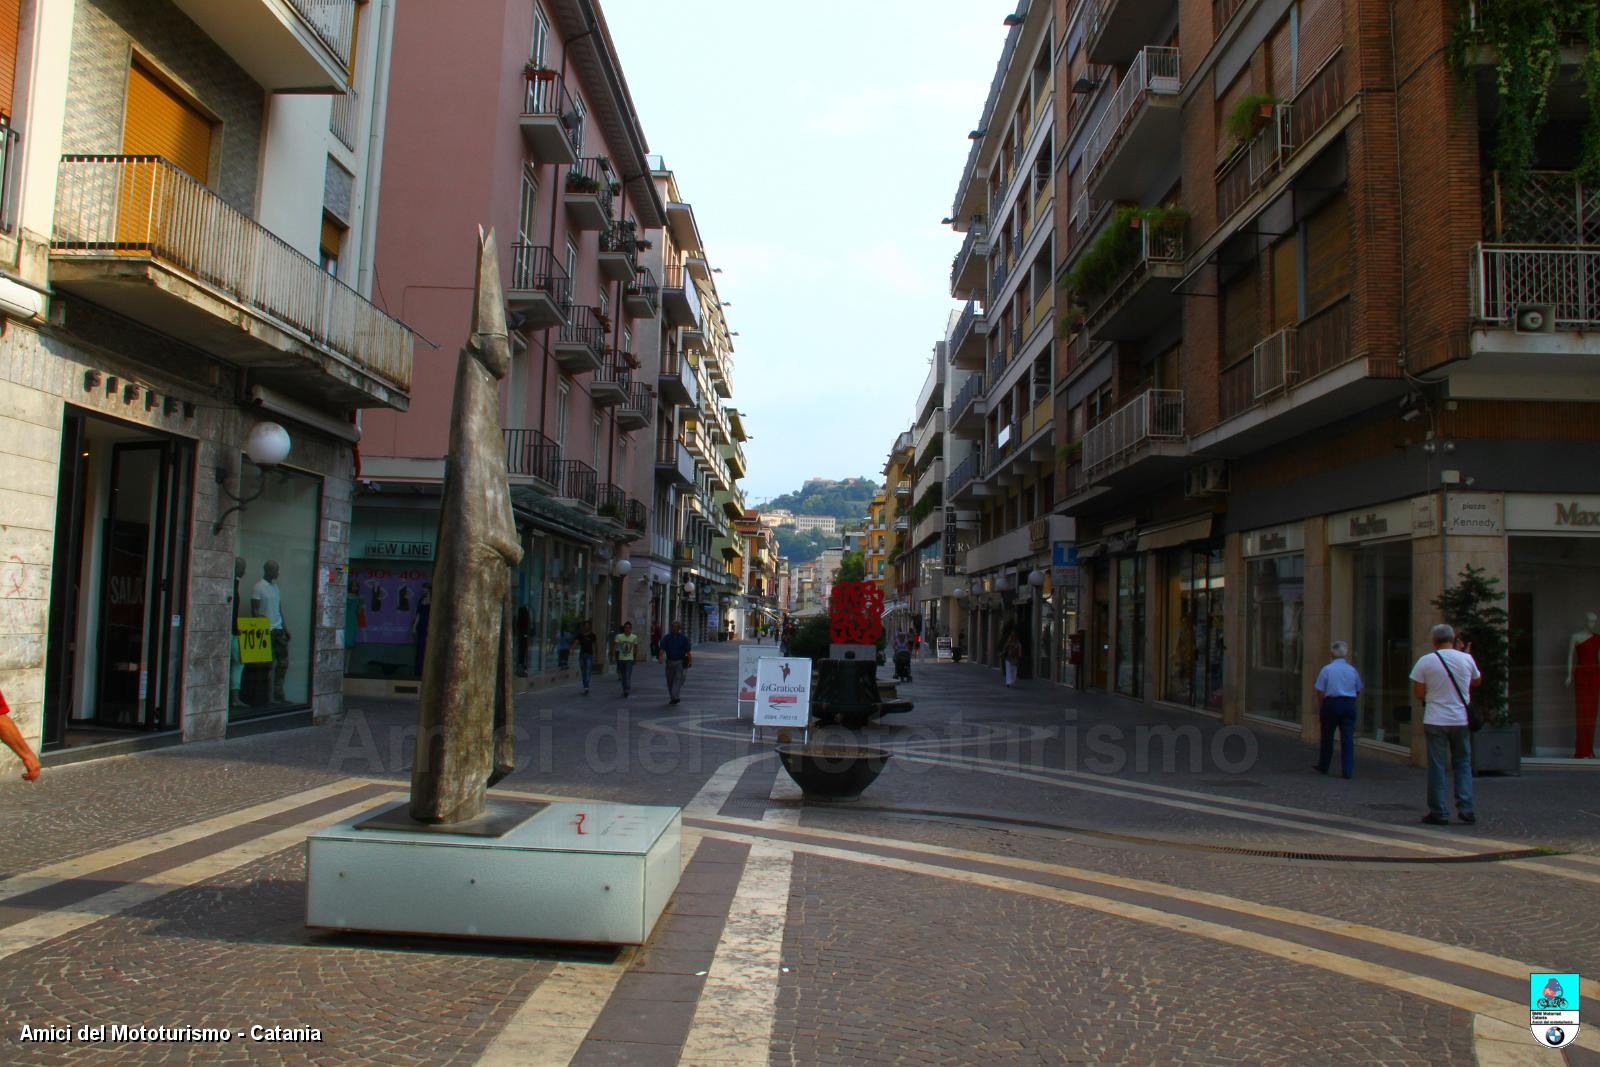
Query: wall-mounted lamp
[(1012, 19), (266, 446), (622, 567), (1036, 577), (688, 588)]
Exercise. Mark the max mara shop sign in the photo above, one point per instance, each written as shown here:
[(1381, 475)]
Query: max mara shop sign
[(1550, 513)]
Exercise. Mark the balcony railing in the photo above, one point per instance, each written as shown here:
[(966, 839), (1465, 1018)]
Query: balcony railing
[(1288, 129), (591, 176), (547, 95), (1154, 415), (345, 120), (964, 324), (643, 291), (583, 327), (334, 23), (677, 284), (1153, 71), (970, 391), (530, 454), (963, 475), (535, 268), (617, 239), (1505, 279), (111, 206), (611, 502), (636, 517), (1006, 440), (974, 236), (1286, 359), (579, 482)]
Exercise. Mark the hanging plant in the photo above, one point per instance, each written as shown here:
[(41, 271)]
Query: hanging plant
[(1526, 37)]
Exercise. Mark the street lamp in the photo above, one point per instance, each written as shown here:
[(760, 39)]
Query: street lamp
[(1036, 577), (622, 567), (266, 446)]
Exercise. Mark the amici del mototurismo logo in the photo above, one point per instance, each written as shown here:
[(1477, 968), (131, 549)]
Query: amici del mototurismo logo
[(1553, 1008)]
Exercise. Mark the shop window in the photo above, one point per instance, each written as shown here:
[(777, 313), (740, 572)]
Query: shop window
[(1554, 586), (1195, 588), (1274, 653), (276, 543), (1130, 626), (1383, 651), (388, 598)]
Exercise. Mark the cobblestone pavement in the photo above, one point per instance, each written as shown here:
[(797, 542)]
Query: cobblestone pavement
[(1040, 876)]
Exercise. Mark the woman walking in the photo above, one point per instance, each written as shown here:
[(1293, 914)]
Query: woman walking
[(586, 644), (1012, 657)]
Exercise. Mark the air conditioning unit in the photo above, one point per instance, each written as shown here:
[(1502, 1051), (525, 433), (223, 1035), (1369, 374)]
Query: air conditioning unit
[(1535, 318), (1272, 146), (1206, 480)]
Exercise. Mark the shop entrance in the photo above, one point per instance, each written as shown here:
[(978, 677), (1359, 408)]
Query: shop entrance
[(1383, 651), (115, 660)]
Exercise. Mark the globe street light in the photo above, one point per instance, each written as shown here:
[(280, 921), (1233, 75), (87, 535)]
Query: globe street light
[(265, 446)]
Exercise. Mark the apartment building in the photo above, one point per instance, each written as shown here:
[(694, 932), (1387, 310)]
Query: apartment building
[(1323, 350), (929, 538), (515, 115), (1002, 349), (697, 556), (828, 524), (758, 604), (186, 210)]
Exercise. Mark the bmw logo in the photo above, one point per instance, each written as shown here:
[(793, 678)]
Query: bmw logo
[(1554, 1036)]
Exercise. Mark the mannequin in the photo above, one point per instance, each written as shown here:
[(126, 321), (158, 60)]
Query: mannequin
[(1583, 677)]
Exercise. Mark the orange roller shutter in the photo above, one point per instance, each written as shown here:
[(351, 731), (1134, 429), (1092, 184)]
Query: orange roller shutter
[(160, 123), (10, 19)]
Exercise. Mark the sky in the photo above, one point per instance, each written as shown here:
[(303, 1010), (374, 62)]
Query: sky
[(820, 145)]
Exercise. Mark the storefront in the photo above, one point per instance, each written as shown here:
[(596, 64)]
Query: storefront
[(1275, 596), (1370, 550), (1128, 648), (1192, 612), (276, 579), (1553, 549)]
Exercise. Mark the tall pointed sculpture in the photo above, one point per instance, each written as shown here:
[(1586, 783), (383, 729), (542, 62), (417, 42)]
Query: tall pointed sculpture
[(464, 727)]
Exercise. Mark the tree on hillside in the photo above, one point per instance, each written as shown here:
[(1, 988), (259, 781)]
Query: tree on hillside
[(853, 568), (847, 499)]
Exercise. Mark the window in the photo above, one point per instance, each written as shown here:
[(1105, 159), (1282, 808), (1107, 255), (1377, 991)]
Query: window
[(1241, 315), (627, 339), (562, 391), (331, 245), (541, 37), (527, 209), (159, 122), (594, 441), (572, 260), (1327, 257), (605, 306)]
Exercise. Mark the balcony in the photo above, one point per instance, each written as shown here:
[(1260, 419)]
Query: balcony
[(1294, 381), (587, 193), (964, 481), (579, 343), (733, 456), (1513, 355), (1507, 279), (1285, 132), (638, 409), (698, 445), (286, 45), (966, 340), (902, 524), (693, 341), (685, 231), (1139, 129), (928, 527), (531, 456), (540, 290), (1141, 299), (931, 434), (608, 385), (579, 483), (641, 297), (552, 127), (680, 299), (1145, 431), (932, 476), (637, 517), (966, 273), (678, 382), (902, 488), (138, 236), (618, 254), (611, 504), (1117, 29), (969, 408)]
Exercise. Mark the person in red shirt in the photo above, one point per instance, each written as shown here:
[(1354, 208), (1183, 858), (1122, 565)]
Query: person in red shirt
[(17, 743)]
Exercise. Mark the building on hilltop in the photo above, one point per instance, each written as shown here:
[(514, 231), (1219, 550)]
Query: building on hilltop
[(828, 524)]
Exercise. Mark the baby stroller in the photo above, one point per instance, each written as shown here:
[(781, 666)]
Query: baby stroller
[(902, 665)]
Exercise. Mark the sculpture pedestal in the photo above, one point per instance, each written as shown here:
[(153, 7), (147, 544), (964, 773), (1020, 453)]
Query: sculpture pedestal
[(599, 873)]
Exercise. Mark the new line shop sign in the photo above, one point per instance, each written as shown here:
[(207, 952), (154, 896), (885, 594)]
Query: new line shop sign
[(421, 550), (783, 691)]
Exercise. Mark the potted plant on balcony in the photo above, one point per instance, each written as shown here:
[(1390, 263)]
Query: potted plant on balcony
[(1071, 319), (1069, 452), (535, 71), (614, 510), (1472, 606), (579, 182), (1249, 115)]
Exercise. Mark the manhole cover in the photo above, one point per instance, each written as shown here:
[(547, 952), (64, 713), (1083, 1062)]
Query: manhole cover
[(1390, 807), (1232, 783)]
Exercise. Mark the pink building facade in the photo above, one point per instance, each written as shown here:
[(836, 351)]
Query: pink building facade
[(514, 114)]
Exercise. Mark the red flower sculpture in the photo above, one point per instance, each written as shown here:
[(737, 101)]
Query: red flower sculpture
[(855, 614)]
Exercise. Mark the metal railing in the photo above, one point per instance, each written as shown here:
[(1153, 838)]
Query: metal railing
[(535, 268), (1154, 71), (591, 176), (643, 287), (1287, 358), (1505, 279), (1285, 132), (620, 239), (344, 122), (611, 502), (679, 279), (530, 454), (333, 22), (963, 475), (547, 95), (1006, 440), (1154, 415), (10, 142), (636, 517), (997, 280), (971, 390), (583, 327), (610, 372), (968, 246), (110, 206), (579, 481), (1275, 364), (964, 324), (641, 401)]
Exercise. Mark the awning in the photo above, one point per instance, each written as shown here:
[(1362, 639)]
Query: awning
[(1176, 533), (536, 507)]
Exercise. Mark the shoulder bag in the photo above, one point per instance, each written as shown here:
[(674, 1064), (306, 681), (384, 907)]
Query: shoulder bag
[(1474, 718)]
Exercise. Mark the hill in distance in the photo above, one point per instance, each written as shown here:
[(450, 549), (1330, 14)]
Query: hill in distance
[(845, 499)]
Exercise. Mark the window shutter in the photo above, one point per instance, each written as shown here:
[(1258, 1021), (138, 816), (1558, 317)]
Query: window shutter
[(1280, 61), (1328, 255), (1229, 100), (1241, 315), (1321, 33), (1285, 283), (160, 123), (10, 20)]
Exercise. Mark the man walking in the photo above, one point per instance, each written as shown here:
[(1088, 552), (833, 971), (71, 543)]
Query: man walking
[(1441, 680), (626, 645), (1338, 684), (586, 643), (676, 652)]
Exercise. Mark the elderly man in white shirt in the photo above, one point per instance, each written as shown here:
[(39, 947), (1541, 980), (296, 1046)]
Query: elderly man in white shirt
[(1442, 680)]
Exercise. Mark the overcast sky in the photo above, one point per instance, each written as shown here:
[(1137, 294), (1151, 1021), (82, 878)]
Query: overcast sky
[(820, 145)]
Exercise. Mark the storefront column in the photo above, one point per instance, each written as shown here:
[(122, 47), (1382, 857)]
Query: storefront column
[(1235, 607), (1316, 624), (1153, 664)]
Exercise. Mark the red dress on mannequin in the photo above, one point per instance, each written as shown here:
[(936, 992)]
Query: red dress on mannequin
[(1586, 692)]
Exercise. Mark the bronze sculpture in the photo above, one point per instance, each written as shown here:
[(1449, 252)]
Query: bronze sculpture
[(464, 742)]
